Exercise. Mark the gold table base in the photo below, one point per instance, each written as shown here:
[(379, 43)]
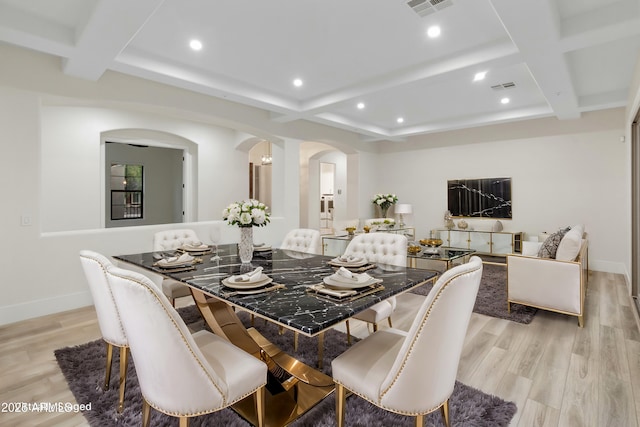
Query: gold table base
[(300, 387)]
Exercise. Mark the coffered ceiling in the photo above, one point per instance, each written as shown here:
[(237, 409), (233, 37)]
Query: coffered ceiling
[(550, 58)]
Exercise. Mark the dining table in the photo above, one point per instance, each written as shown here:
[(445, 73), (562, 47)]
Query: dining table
[(292, 296)]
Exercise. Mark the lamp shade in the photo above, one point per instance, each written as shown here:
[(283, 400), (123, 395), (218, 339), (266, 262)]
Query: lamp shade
[(403, 208)]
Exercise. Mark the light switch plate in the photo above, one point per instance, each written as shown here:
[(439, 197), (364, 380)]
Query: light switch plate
[(26, 220)]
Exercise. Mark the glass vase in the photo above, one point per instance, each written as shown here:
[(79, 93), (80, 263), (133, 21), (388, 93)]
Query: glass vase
[(245, 247), (384, 211)]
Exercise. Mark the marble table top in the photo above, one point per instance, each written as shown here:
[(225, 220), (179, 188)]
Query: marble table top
[(291, 306)]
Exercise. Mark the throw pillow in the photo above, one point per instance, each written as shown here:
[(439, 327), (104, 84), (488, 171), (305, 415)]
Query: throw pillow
[(570, 244), (550, 245)]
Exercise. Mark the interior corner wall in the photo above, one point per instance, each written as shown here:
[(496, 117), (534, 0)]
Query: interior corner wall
[(43, 149)]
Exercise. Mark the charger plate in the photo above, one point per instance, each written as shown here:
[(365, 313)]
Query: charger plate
[(262, 281)]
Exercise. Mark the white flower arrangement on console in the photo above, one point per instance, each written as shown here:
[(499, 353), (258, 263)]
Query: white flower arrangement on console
[(384, 201)]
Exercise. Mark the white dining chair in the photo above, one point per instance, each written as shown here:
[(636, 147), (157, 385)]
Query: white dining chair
[(95, 269), (302, 240), (169, 240), (378, 248), (181, 374), (413, 373)]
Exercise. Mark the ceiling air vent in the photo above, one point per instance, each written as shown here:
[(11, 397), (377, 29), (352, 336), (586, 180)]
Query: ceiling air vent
[(503, 86), (427, 7)]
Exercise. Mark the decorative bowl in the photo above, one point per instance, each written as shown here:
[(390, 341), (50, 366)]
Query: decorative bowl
[(431, 242), (414, 249), (350, 230)]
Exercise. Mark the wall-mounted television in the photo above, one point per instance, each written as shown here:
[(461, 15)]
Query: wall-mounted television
[(481, 198)]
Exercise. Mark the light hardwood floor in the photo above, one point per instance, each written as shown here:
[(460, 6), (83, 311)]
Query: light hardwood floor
[(557, 373)]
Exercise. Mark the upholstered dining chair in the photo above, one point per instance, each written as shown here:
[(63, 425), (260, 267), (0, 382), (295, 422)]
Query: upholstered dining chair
[(413, 373), (181, 374), (168, 240), (95, 269), (383, 248), (302, 240)]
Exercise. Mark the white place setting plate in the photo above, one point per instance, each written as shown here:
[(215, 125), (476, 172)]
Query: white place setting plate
[(343, 284), (358, 262), (195, 248), (235, 282)]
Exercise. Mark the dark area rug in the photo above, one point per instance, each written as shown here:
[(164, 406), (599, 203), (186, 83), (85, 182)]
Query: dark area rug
[(492, 296), (83, 367)]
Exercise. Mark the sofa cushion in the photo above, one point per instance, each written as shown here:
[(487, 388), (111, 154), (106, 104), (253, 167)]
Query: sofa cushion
[(550, 245), (570, 244)]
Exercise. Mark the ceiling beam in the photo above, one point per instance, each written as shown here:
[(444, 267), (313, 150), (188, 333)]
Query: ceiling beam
[(534, 27), (105, 34)]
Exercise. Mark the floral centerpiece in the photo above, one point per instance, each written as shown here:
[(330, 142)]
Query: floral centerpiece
[(384, 201), (246, 215)]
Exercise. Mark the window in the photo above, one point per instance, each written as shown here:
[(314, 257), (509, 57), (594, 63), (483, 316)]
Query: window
[(126, 191)]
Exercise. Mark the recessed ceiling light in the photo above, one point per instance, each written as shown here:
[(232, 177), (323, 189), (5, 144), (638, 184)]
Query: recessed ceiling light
[(297, 82), (479, 76), (433, 31), (400, 120), (505, 100), (195, 44), (360, 105)]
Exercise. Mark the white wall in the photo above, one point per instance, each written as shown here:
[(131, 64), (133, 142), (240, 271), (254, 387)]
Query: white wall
[(563, 171), (41, 272), (557, 180)]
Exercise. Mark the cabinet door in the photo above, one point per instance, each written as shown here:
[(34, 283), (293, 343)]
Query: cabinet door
[(480, 241), (334, 247), (458, 239), (502, 243)]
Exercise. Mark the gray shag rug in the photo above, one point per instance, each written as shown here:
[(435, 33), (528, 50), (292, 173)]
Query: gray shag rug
[(83, 367), (492, 296)]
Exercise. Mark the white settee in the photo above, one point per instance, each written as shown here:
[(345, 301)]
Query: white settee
[(556, 284)]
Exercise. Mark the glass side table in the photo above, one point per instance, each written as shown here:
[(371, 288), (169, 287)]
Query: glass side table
[(335, 245), (444, 256)]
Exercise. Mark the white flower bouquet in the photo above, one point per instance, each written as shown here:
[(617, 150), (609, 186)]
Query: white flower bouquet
[(248, 213), (385, 200)]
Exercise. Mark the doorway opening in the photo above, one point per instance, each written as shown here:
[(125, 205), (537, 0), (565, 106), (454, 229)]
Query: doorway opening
[(327, 186)]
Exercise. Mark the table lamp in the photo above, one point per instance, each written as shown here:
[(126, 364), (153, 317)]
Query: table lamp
[(402, 209)]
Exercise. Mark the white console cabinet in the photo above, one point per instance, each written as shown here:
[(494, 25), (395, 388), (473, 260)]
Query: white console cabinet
[(483, 242)]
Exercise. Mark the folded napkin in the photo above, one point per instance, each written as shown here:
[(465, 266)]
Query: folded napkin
[(348, 259), (175, 260), (345, 276), (321, 289), (194, 246), (251, 276)]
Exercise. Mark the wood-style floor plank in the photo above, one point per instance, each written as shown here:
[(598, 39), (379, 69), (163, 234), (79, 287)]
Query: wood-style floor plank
[(559, 375)]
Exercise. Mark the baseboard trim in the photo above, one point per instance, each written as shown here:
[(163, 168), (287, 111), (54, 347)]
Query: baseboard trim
[(42, 307)]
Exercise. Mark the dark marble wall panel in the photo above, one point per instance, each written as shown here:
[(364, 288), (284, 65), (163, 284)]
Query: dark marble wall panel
[(487, 197)]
